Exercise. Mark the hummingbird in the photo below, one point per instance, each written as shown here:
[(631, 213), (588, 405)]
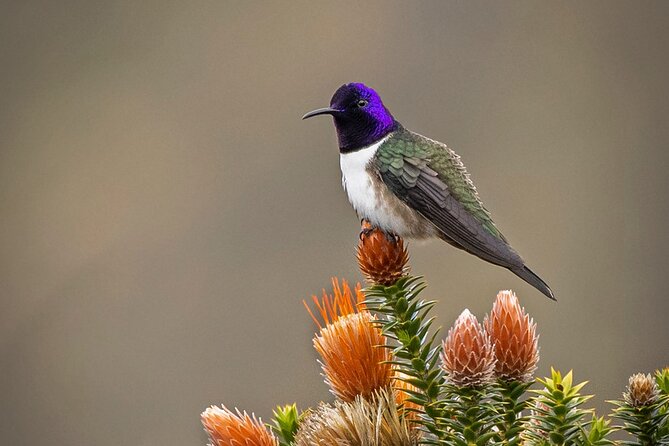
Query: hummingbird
[(412, 186)]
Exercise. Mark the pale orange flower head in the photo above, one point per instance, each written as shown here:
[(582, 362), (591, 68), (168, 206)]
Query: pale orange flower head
[(350, 344), (514, 335), (353, 356), (381, 260), (641, 391), (227, 428), (468, 355)]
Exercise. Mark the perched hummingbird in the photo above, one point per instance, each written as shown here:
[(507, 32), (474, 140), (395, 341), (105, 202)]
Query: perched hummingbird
[(412, 186)]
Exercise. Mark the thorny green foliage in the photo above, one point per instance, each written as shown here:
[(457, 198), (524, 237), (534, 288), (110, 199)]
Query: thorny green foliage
[(497, 414), (286, 421), (648, 425), (511, 402), (557, 417), (472, 416), (416, 355)]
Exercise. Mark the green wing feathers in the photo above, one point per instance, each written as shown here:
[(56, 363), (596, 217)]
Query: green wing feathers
[(406, 154), (430, 178)]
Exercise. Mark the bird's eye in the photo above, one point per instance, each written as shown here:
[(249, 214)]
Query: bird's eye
[(362, 103)]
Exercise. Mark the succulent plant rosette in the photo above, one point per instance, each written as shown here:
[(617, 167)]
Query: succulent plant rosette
[(396, 382)]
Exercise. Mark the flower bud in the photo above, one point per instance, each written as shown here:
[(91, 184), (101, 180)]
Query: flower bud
[(641, 391), (381, 260), (467, 356), (513, 334)]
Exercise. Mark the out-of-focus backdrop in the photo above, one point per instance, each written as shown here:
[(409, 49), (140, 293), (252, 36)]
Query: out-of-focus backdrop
[(164, 210)]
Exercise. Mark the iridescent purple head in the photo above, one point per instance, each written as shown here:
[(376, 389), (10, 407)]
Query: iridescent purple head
[(359, 115)]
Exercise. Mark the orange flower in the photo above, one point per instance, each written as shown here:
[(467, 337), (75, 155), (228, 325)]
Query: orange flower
[(342, 303), (381, 260), (353, 356), (513, 333), (350, 344), (468, 355), (225, 428)]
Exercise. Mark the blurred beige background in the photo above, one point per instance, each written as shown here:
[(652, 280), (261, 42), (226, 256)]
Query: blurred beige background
[(164, 209)]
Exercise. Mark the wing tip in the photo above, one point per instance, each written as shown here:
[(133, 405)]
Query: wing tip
[(537, 282)]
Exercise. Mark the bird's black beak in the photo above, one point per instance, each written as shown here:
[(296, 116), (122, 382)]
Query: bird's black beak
[(321, 111)]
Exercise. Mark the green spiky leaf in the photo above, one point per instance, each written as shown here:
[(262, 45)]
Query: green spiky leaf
[(557, 415), (285, 423)]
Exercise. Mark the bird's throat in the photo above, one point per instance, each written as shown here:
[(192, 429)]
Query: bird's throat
[(354, 135)]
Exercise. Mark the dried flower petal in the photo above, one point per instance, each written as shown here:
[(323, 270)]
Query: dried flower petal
[(225, 428), (513, 333), (374, 421), (467, 355), (641, 391), (381, 260), (353, 358)]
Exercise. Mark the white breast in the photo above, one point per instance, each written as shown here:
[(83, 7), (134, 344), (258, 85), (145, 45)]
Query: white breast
[(374, 202), (358, 183), (365, 192)]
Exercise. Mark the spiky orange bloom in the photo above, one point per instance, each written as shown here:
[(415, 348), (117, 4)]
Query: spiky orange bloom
[(226, 428), (349, 343), (641, 391), (468, 355), (342, 302), (381, 260), (353, 357), (514, 335)]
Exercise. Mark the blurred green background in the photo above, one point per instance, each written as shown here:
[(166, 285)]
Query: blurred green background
[(164, 209)]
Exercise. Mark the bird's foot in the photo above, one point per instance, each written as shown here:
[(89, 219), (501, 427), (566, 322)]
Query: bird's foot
[(392, 238), (368, 229)]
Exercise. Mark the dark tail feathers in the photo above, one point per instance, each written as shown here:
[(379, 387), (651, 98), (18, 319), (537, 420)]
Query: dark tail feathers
[(528, 276)]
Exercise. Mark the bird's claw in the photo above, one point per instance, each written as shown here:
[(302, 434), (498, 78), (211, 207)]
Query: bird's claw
[(368, 230), (392, 238), (365, 232)]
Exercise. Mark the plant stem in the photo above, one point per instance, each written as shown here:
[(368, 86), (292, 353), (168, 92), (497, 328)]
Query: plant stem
[(405, 321)]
